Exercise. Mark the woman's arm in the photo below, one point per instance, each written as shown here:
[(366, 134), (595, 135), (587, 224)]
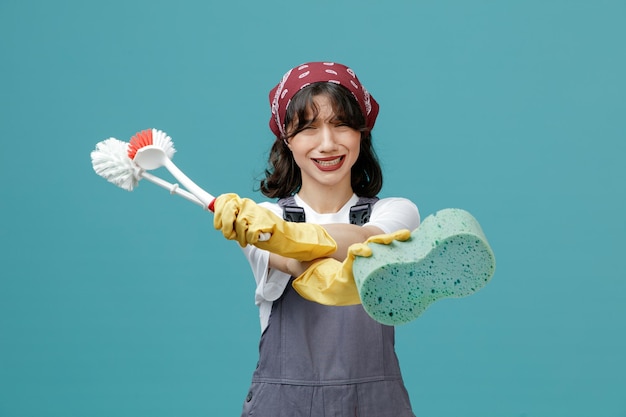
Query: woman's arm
[(348, 234), (389, 215), (289, 266), (344, 234)]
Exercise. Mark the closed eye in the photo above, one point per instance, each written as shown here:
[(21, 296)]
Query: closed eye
[(342, 126)]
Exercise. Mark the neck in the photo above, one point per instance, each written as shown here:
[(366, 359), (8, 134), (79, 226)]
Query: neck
[(325, 199)]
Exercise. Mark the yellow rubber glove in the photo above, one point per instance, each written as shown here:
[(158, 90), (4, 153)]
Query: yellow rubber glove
[(243, 220), (331, 282)]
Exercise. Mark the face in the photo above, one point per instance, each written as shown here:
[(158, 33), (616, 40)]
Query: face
[(326, 150)]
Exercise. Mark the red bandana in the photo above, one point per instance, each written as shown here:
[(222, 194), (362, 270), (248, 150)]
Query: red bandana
[(298, 78)]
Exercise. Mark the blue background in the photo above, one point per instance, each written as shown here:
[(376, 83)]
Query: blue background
[(130, 304)]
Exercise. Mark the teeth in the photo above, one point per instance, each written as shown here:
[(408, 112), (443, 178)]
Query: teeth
[(328, 163)]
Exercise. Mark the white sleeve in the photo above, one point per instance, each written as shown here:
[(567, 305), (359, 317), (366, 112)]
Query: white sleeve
[(270, 283), (394, 213)]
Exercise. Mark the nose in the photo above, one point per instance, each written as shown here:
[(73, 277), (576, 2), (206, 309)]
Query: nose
[(328, 141)]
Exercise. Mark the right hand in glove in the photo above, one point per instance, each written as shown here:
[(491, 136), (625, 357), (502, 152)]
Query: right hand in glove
[(331, 282), (243, 220)]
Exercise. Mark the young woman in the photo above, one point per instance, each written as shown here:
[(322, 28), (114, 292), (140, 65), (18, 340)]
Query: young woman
[(317, 359)]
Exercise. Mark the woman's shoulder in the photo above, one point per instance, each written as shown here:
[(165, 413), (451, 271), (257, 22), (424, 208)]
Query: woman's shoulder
[(394, 202), (272, 206), (396, 213)]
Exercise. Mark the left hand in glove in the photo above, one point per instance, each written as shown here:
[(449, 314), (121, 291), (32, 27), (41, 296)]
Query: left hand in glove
[(331, 282)]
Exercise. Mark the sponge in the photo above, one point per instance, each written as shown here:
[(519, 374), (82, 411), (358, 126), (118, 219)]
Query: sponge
[(446, 256)]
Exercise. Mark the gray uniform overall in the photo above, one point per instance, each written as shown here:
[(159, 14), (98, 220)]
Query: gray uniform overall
[(325, 361)]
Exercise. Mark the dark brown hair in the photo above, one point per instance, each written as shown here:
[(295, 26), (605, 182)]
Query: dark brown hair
[(283, 177)]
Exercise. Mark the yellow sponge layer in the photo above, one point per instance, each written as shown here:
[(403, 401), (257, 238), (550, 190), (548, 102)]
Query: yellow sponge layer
[(447, 256)]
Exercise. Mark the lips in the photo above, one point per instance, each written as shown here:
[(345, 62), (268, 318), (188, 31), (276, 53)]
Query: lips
[(329, 164)]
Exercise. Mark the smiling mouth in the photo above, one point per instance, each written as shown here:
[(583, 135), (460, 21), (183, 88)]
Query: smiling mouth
[(329, 162)]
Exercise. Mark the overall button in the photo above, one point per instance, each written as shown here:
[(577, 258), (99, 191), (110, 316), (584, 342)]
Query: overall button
[(249, 397)]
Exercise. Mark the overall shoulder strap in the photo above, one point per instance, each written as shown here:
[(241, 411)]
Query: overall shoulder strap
[(359, 213), (291, 211)]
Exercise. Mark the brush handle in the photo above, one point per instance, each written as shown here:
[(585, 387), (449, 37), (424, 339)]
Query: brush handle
[(172, 188), (205, 198)]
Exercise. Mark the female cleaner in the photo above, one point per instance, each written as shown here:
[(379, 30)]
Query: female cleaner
[(320, 354)]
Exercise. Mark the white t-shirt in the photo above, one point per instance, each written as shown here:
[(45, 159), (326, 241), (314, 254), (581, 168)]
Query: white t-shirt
[(388, 214)]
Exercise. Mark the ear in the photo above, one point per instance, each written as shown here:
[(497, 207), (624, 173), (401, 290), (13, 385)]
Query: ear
[(287, 144)]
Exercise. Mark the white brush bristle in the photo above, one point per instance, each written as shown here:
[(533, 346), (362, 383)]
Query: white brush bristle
[(110, 160), (163, 141)]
